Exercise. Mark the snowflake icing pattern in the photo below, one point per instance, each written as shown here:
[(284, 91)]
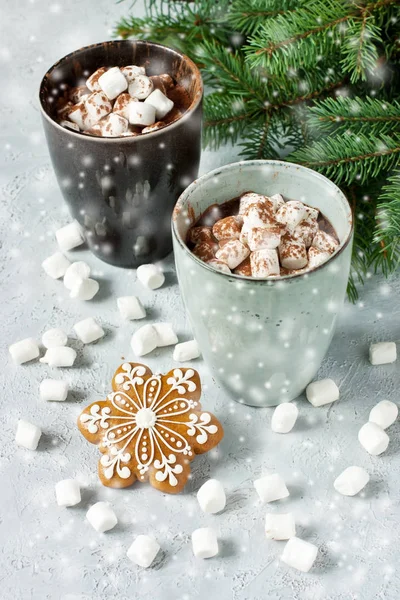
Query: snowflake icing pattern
[(150, 427)]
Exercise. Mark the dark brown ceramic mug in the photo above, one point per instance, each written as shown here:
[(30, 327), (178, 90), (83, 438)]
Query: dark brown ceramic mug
[(123, 190)]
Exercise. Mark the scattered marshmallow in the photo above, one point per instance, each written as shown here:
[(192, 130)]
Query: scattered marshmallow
[(59, 357), (88, 330), (211, 496), (284, 417), (373, 438), (293, 253), (186, 351), (53, 390), (53, 338), (259, 238), (316, 257), (92, 83), (144, 340), (291, 214), (27, 435), (101, 517), (279, 526), (382, 353), (141, 113), (131, 308), (141, 87), (233, 253), (85, 289), (75, 273), (143, 551), (271, 488), (325, 242), (132, 71), (204, 542), (166, 336), (24, 351), (299, 554), (277, 200), (264, 263), (384, 413), (150, 276), (160, 101), (114, 125), (351, 481), (248, 199), (113, 83), (322, 392), (70, 236), (219, 265), (227, 229), (68, 492), (56, 265)]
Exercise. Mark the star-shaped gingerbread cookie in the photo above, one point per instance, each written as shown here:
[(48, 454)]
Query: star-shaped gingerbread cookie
[(150, 428)]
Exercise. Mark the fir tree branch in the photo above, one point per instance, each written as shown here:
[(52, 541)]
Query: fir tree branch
[(248, 15), (349, 158), (387, 232), (225, 121), (359, 49)]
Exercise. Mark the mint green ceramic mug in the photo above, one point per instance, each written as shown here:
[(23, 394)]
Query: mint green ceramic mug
[(264, 340)]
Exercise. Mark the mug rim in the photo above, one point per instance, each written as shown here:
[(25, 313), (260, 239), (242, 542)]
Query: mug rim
[(272, 279), (124, 139)]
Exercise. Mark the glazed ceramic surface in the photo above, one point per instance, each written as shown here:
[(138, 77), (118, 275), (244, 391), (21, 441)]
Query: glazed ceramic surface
[(263, 339), (122, 190)]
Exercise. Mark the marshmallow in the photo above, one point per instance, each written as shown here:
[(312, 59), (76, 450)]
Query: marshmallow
[(316, 257), (98, 105), (382, 353), (233, 253), (53, 390), (201, 234), (264, 263), (271, 488), (154, 127), (161, 103), (141, 87), (299, 554), (144, 340), (24, 351), (88, 330), (277, 200), (279, 526), (68, 492), (121, 105), (59, 357), (53, 338), (132, 71), (244, 268), (291, 214), (143, 551), (166, 79), (70, 236), (384, 414), (150, 276), (211, 496), (56, 265), (284, 417), (113, 125), (351, 481), (373, 438), (186, 351), (205, 251), (68, 125), (259, 238), (101, 517), (113, 83), (130, 308), (306, 231), (85, 289), (93, 82), (227, 229), (219, 265), (79, 93), (322, 392), (75, 273), (259, 215), (27, 435), (80, 116), (311, 214), (141, 113), (251, 198), (64, 111), (293, 253), (325, 242), (204, 542), (165, 334)]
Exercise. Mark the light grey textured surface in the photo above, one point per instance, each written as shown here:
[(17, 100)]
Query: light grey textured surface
[(51, 553)]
